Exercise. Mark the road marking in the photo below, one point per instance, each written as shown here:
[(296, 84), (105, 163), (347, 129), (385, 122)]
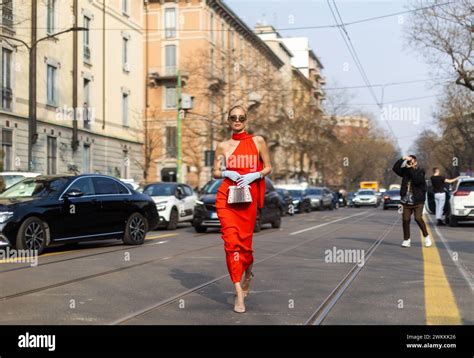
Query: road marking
[(20, 260), (327, 223), (440, 304), (461, 267)]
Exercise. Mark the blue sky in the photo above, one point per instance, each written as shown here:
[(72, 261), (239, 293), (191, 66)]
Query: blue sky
[(382, 50)]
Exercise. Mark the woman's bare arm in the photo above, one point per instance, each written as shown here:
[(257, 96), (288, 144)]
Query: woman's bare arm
[(263, 150)]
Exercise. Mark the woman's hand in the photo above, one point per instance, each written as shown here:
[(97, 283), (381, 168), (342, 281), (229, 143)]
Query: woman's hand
[(248, 178), (231, 174)]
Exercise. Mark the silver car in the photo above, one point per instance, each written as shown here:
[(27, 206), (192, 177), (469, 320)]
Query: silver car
[(321, 198), (366, 198)]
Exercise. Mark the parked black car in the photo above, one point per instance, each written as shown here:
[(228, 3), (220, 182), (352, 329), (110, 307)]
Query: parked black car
[(205, 214), (39, 212), (391, 199), (301, 201), (286, 201)]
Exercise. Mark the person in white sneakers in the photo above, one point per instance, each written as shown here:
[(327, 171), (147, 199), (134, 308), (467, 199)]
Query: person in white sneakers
[(412, 193)]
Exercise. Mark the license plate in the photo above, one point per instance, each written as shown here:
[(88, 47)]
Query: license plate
[(213, 215)]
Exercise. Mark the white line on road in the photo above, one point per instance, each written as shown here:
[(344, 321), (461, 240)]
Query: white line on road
[(158, 243), (462, 269), (324, 224)]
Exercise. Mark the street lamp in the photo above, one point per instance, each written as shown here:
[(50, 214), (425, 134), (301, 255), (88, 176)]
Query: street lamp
[(32, 133)]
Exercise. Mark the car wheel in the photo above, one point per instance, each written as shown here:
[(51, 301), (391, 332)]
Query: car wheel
[(173, 223), (32, 235), (385, 208), (200, 229), (135, 230), (453, 222), (258, 225)]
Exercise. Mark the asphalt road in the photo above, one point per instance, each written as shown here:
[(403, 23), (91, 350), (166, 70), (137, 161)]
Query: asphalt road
[(338, 267)]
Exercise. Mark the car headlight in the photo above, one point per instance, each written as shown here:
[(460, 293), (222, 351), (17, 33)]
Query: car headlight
[(296, 202), (5, 216), (160, 206), (199, 202)]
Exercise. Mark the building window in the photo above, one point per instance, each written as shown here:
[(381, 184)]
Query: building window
[(170, 60), (125, 116), (170, 23), (212, 63), (170, 94), (52, 147), (86, 158), (87, 100), (223, 68), (7, 13), (7, 92), (223, 35), (125, 7), (7, 149), (125, 54), (86, 36), (51, 85), (171, 142), (211, 28), (50, 17)]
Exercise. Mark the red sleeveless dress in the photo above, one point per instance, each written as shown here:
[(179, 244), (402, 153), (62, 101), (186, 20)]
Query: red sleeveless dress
[(238, 220)]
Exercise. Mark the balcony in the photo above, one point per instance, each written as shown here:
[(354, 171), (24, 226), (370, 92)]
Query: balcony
[(7, 13), (166, 74)]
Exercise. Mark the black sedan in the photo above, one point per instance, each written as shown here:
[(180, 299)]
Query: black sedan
[(301, 201), (286, 201), (205, 214), (391, 199), (39, 212)]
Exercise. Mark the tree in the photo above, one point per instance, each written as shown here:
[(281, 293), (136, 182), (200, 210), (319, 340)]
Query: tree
[(443, 34)]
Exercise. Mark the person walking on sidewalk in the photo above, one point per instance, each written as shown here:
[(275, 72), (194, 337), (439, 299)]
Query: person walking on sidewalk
[(412, 193), (438, 181), (242, 161)]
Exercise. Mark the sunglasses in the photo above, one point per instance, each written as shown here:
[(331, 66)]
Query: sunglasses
[(235, 118)]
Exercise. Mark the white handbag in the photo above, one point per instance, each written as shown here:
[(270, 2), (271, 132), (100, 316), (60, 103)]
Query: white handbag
[(239, 194)]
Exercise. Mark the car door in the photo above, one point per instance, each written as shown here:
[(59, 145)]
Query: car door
[(80, 216), (115, 204), (189, 202), (180, 201), (327, 197)]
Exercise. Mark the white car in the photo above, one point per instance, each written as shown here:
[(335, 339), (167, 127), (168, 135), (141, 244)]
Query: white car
[(366, 197), (462, 201), (131, 183), (11, 178), (175, 202)]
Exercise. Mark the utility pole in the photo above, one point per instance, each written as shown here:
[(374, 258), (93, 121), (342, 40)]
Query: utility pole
[(32, 130), (179, 147)]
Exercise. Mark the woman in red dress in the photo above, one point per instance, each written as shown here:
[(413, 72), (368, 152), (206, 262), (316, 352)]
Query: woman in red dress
[(242, 160)]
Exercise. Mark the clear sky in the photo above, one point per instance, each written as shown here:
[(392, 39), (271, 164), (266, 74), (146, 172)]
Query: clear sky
[(382, 50)]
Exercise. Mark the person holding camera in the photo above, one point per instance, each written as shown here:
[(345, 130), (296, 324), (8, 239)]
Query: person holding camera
[(438, 181), (412, 193)]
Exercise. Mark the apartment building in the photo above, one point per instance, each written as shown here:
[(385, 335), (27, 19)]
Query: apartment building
[(221, 62), (89, 87)]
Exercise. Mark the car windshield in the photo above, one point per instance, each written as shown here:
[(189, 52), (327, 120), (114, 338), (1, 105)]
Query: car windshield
[(35, 187), (160, 189), (466, 186), (314, 191), (366, 192), (296, 193), (211, 188), (393, 192), (10, 180)]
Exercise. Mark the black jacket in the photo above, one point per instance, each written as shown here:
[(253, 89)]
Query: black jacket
[(417, 177)]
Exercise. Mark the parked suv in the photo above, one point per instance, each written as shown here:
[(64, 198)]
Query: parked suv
[(175, 202), (205, 214), (462, 202)]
